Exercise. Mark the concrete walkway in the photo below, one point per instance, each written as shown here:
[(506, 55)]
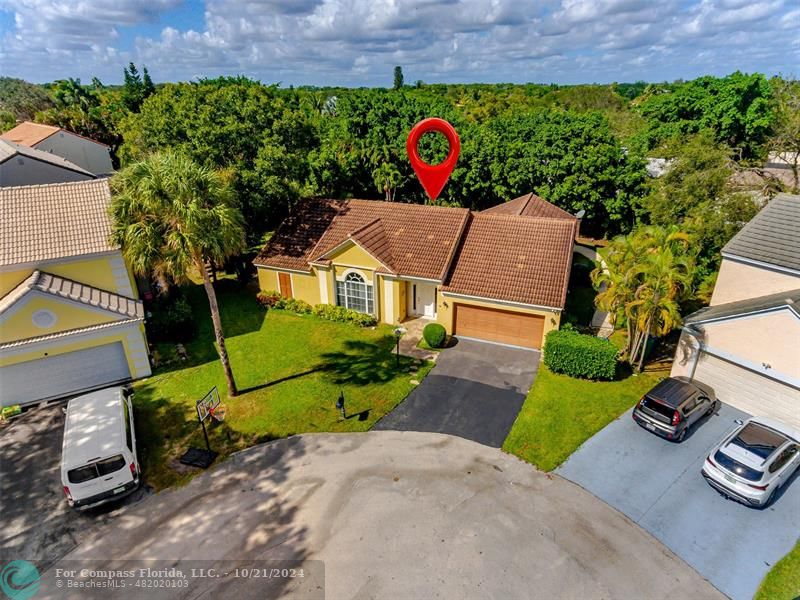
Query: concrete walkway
[(411, 338), (601, 320), (390, 515)]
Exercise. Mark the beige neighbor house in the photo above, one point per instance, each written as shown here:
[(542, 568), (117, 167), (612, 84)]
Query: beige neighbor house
[(746, 344), (20, 165), (82, 151), (499, 275), (70, 319)]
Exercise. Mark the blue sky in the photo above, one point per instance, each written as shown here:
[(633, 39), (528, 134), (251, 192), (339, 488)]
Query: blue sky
[(358, 42)]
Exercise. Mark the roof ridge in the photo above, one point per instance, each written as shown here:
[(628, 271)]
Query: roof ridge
[(521, 218), (38, 281), (363, 227), (525, 204), (58, 184)]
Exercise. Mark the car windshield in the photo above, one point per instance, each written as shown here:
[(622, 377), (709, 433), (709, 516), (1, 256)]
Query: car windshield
[(98, 469), (758, 440), (656, 406), (734, 466)]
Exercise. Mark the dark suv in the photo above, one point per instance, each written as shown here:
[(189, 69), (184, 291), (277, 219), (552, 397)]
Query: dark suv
[(674, 405)]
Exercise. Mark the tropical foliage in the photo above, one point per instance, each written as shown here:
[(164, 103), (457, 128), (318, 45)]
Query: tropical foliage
[(171, 216), (648, 274)]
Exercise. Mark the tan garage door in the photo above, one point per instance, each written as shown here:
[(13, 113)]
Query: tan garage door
[(503, 326), (749, 391)]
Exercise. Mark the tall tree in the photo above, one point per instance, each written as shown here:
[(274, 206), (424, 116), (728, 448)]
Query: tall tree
[(785, 141), (398, 77), (136, 87), (170, 216)]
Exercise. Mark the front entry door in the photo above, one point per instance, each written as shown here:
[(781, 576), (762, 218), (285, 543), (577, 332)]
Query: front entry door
[(285, 283), (422, 299)]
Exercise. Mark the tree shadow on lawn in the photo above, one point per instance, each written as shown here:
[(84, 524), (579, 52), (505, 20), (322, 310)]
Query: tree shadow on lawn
[(363, 363)]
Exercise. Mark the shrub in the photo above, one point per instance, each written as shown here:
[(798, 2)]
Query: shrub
[(171, 320), (298, 306), (579, 355), (341, 314), (434, 335), (268, 299)]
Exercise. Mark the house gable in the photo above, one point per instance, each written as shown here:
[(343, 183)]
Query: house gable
[(351, 255), (37, 314), (764, 342), (44, 304)]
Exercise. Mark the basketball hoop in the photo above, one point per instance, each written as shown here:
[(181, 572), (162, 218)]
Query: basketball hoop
[(217, 413)]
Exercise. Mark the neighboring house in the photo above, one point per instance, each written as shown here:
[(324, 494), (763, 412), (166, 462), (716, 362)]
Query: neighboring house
[(70, 319), (82, 151), (20, 165), (746, 344), (499, 275)]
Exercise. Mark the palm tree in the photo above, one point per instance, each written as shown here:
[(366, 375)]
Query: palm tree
[(171, 215), (666, 279)]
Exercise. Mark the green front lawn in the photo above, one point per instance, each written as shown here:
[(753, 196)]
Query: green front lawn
[(560, 413), (290, 370), (783, 581)]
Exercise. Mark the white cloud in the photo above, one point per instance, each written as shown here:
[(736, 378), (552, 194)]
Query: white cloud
[(358, 42)]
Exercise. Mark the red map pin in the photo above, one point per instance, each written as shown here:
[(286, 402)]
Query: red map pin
[(433, 177)]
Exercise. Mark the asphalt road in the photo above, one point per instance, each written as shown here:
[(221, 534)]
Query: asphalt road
[(37, 523), (658, 485), (389, 515), (475, 391)]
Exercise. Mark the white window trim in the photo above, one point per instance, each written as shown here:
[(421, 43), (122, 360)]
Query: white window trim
[(367, 284)]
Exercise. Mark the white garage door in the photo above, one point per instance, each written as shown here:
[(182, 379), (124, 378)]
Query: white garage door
[(63, 374), (748, 391)]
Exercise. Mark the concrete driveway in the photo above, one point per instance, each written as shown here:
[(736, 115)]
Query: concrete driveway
[(658, 485), (390, 515), (37, 523), (475, 391)]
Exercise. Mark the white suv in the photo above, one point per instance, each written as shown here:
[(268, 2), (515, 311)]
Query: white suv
[(756, 459)]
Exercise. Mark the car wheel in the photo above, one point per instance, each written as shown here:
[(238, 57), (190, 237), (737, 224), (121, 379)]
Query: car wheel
[(712, 409)]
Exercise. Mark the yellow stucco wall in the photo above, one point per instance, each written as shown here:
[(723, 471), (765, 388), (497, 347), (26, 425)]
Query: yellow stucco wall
[(390, 310), (444, 311), (354, 256), (64, 345), (304, 287), (96, 271), (268, 280), (18, 324)]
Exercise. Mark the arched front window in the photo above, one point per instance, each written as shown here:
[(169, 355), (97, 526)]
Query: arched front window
[(355, 293)]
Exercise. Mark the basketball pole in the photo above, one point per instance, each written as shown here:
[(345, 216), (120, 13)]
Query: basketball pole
[(205, 433)]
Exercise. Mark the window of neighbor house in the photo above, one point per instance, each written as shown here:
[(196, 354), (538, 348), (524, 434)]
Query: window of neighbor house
[(355, 293)]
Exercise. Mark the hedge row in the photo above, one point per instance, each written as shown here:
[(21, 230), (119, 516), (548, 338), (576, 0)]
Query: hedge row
[(579, 355), (329, 312)]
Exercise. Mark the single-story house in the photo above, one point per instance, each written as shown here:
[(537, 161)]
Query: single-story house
[(746, 344), (499, 275), (20, 165), (88, 154), (70, 318)]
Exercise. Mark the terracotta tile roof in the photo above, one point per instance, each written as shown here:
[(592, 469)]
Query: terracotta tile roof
[(9, 150), (60, 287), (529, 205), (420, 240), (372, 237), (519, 260), (58, 220), (291, 245), (29, 134)]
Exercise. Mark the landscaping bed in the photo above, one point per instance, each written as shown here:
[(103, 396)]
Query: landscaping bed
[(290, 370)]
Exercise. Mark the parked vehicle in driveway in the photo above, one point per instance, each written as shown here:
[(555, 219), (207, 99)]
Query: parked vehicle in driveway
[(673, 406), (98, 459), (754, 461)]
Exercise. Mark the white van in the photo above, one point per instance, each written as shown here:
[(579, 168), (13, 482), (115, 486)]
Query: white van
[(98, 457)]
